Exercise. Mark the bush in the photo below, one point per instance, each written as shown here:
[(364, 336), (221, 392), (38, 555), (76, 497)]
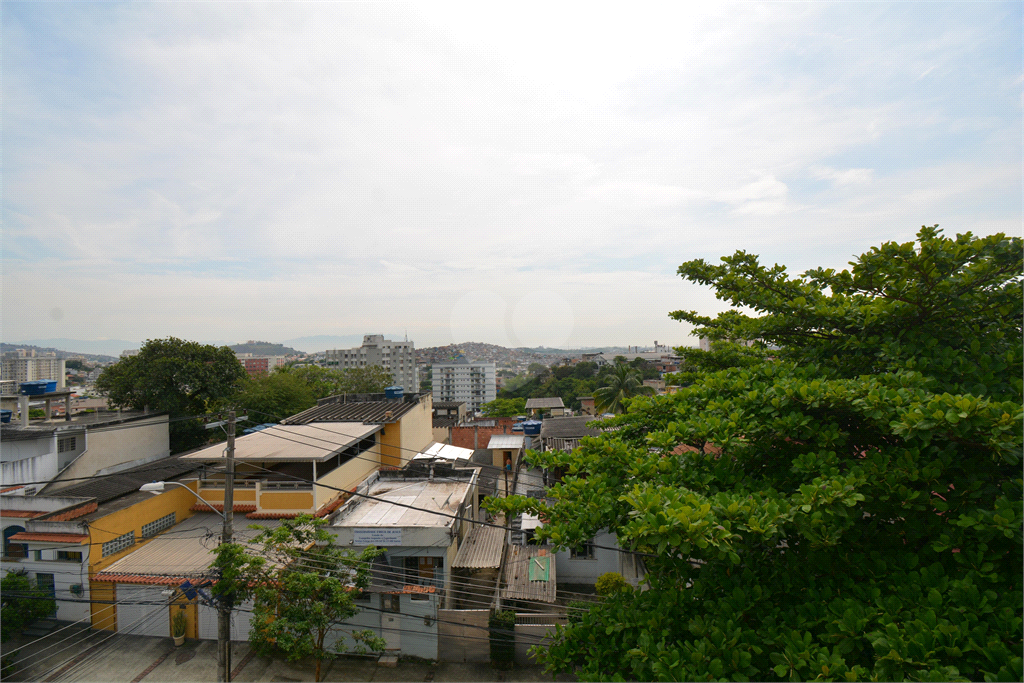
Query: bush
[(503, 637), (609, 583), (575, 610)]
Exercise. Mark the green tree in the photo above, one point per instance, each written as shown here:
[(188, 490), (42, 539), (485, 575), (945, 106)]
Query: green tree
[(504, 407), (183, 378), (22, 604), (621, 384), (303, 588), (275, 396), (324, 382), (846, 509)]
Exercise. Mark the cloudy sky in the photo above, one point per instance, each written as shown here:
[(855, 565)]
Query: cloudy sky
[(514, 173)]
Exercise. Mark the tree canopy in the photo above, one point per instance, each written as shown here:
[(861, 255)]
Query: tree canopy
[(288, 391), (303, 588), (621, 384), (504, 407), (23, 603), (180, 377), (845, 507)]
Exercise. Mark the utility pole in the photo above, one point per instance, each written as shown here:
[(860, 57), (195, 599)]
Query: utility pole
[(226, 600)]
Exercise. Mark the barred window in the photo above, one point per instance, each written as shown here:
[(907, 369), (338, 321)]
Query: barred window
[(69, 555), (67, 444), (584, 552), (153, 528), (119, 544)]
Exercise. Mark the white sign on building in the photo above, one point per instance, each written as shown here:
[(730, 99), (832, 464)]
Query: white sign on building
[(376, 536)]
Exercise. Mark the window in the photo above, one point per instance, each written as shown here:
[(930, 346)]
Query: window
[(584, 552), (119, 544), (67, 444), (153, 528), (69, 556)]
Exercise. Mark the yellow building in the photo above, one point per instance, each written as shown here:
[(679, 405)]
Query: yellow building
[(308, 462)]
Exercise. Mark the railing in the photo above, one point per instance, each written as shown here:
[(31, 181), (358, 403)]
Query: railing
[(531, 619), (286, 485)]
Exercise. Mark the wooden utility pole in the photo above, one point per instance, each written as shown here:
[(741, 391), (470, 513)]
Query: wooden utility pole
[(226, 599)]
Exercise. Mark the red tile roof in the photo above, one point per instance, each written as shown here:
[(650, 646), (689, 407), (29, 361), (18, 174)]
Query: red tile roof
[(20, 513), (141, 578), (49, 536)]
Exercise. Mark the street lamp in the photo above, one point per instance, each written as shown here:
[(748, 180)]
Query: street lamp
[(157, 487)]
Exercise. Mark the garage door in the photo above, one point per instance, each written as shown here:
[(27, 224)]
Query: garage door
[(239, 622), (142, 610)]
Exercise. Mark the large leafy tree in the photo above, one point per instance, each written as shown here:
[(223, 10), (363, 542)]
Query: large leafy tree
[(323, 382), (22, 603), (303, 589), (184, 378), (624, 382), (847, 508), (504, 407)]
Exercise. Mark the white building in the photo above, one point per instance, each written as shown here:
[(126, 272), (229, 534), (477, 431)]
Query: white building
[(30, 369), (464, 381), (398, 357)]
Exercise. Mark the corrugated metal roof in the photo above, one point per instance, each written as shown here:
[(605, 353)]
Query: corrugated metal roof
[(506, 441), (549, 402), (568, 427), (423, 495), (303, 442), (178, 553), (482, 548), (517, 575), (122, 483), (368, 412)]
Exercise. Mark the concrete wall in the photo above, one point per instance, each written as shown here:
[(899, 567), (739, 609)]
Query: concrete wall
[(28, 460), (417, 429), (348, 475), (569, 570), (140, 440), (65, 575)]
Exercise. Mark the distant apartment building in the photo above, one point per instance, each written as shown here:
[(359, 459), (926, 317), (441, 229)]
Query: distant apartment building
[(397, 357), (18, 369), (472, 383), (259, 365)]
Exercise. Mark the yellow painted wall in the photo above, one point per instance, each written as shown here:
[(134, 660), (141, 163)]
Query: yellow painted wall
[(104, 616), (175, 499), (449, 560), (390, 442), (286, 500), (347, 476), (416, 429)]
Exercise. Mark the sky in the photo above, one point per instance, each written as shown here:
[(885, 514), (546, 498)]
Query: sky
[(521, 174)]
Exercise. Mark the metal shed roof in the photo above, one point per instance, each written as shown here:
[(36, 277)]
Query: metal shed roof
[(506, 441), (518, 585), (549, 402), (482, 548), (303, 442)]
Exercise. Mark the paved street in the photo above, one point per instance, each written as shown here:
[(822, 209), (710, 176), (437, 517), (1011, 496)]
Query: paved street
[(77, 654)]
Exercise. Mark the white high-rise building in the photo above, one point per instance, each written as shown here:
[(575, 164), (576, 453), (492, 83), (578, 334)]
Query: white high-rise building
[(398, 357), (464, 381), (28, 369)]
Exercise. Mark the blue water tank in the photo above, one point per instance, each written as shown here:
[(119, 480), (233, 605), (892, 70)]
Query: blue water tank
[(394, 392), (532, 427), (5, 415), (37, 387)]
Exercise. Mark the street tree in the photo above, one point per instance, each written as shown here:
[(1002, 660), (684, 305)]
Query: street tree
[(22, 604), (621, 384), (324, 382), (846, 508), (183, 378), (303, 589)]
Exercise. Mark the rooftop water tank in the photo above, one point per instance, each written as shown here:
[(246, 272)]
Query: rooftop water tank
[(5, 415), (37, 387), (531, 427), (394, 392)]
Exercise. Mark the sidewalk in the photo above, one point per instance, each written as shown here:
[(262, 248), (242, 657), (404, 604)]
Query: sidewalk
[(80, 654)]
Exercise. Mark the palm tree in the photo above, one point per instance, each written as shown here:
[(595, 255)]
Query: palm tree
[(623, 382)]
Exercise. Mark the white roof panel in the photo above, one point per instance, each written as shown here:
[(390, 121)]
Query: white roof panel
[(506, 441), (444, 451), (307, 442)]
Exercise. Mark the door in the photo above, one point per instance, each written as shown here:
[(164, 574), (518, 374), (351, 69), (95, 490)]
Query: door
[(143, 611), (391, 622), (45, 583)]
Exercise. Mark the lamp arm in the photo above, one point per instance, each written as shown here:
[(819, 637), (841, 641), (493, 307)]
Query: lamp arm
[(208, 503)]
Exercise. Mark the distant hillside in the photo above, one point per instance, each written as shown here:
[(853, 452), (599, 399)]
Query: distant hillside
[(262, 348), (74, 345)]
